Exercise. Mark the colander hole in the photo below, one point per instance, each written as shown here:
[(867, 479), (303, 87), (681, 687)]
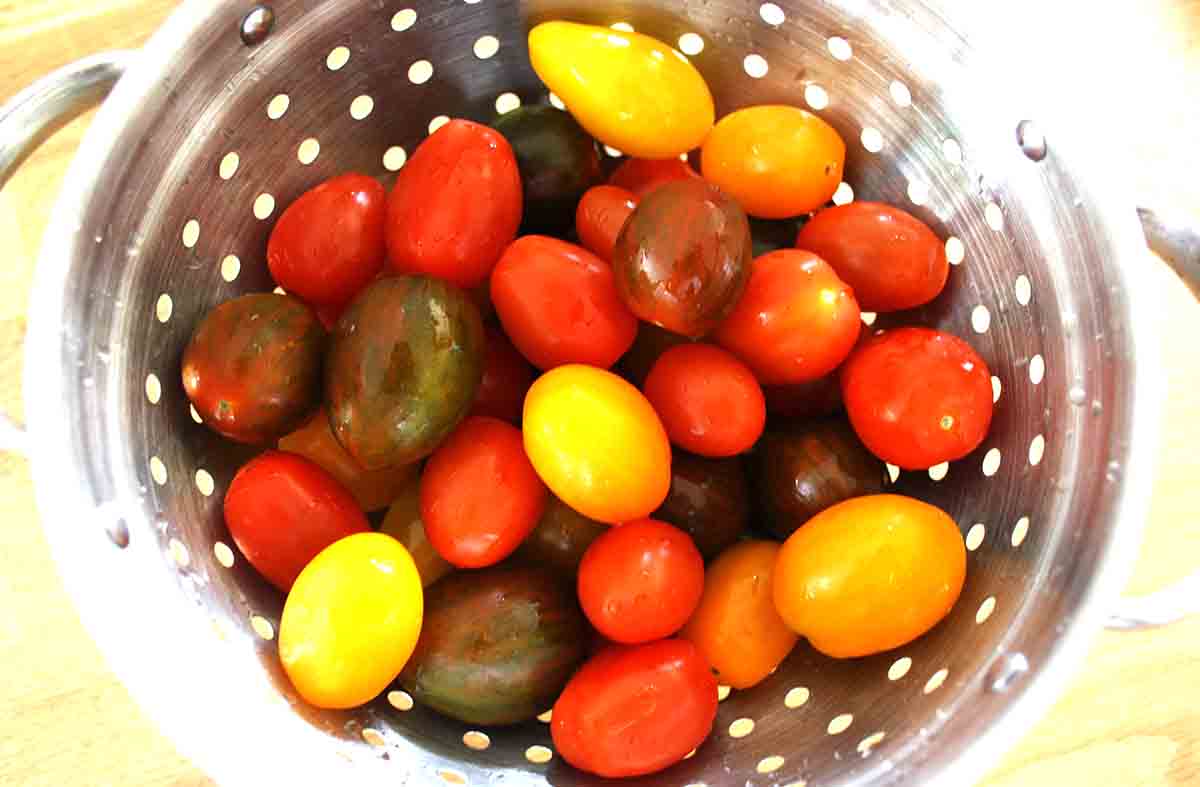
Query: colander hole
[(373, 737), (956, 251), (163, 307), (547, 717), (800, 783), (264, 206), (507, 102), (420, 72), (557, 102), (796, 697), (870, 742), (975, 536), (191, 234), (451, 777), (769, 764), (476, 740), (991, 462), (486, 46), (981, 319), (404, 19), (623, 27), (723, 692), (690, 754), (900, 93), (308, 151), (869, 318), (437, 123), (1024, 290), (539, 755), (740, 728), (755, 66), (840, 48), (918, 192), (262, 627), (893, 472), (816, 97), (179, 553), (278, 106), (844, 194), (985, 610), (936, 680), (471, 2), (839, 724), (153, 388), (899, 668), (204, 482), (613, 152), (689, 44), (223, 554), (195, 414), (362, 107), (939, 471), (994, 216), (394, 158), (1037, 369), (1020, 530), (400, 700), (337, 58), (229, 165), (872, 140), (1037, 447), (231, 266), (279, 291), (158, 471), (952, 151), (997, 388), (772, 14)]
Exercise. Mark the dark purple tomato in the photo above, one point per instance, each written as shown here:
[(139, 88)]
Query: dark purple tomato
[(709, 500)]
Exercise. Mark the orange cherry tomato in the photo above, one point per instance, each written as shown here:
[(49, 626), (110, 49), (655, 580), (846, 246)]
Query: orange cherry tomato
[(597, 443), (506, 378), (736, 625), (480, 496), (642, 176), (708, 400), (870, 574), (777, 161), (373, 489), (403, 523), (796, 322), (601, 214)]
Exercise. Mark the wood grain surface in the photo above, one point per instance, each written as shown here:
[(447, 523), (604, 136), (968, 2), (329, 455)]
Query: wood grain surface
[(1130, 717)]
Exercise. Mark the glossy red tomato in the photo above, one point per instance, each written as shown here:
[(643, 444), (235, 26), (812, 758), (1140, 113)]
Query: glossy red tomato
[(283, 509), (642, 176), (707, 399), (601, 214), (917, 397), (797, 321), (558, 302), (890, 258), (640, 581), (329, 243), (632, 711), (456, 205), (506, 378), (480, 496)]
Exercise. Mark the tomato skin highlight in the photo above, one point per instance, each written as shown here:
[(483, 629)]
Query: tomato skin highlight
[(439, 223), (600, 216), (283, 509), (635, 710), (917, 397)]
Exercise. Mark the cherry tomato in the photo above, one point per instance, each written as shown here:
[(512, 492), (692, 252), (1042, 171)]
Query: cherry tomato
[(708, 400), (797, 321), (506, 378), (403, 523), (709, 500), (373, 489), (559, 303), (351, 622), (640, 581), (560, 539), (282, 509), (890, 258), (813, 399), (777, 161), (736, 625), (635, 710), (601, 214), (480, 496), (918, 397), (642, 176), (630, 91), (597, 443), (648, 347), (870, 574), (456, 205), (329, 243)]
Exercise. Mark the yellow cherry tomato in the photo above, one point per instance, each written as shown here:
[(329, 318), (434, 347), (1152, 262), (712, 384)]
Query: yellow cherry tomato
[(403, 523), (628, 90), (870, 574), (351, 621), (736, 626), (597, 443), (777, 161)]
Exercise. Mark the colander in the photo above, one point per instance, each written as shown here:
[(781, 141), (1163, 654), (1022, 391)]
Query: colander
[(233, 110)]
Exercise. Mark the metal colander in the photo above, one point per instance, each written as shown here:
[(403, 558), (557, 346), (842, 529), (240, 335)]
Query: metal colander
[(232, 111)]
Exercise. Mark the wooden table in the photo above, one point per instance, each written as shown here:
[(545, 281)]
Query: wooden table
[(1130, 717)]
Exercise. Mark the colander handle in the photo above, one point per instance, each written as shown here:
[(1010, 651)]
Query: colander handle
[(1177, 240), (30, 117)]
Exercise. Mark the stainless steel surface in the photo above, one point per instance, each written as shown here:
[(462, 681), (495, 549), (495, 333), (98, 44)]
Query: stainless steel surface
[(1044, 291)]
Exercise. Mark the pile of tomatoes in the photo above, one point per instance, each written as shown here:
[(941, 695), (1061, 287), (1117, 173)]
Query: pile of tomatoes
[(606, 434)]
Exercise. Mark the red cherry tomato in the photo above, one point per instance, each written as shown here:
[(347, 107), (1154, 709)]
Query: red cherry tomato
[(632, 711), (640, 581), (506, 378), (456, 205), (642, 176), (917, 397), (283, 509), (480, 496), (709, 401), (890, 258), (601, 214), (796, 322), (329, 243), (558, 302)]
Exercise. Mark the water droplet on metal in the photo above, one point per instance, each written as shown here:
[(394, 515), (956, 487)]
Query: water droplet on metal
[(1077, 395), (1007, 669), (1097, 407), (257, 24), (118, 533), (1113, 471), (1032, 140)]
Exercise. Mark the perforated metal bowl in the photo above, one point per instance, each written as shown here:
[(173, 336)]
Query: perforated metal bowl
[(225, 118)]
